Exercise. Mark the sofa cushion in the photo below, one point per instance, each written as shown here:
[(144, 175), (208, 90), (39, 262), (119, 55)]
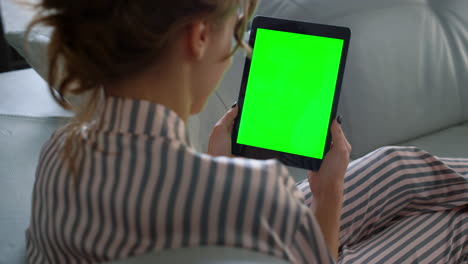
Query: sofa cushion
[(25, 93), (451, 142), (28, 116), (21, 139)]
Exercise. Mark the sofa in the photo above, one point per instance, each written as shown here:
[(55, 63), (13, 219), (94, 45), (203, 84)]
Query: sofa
[(406, 83)]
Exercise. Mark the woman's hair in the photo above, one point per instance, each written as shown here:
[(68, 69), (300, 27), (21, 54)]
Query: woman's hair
[(97, 41)]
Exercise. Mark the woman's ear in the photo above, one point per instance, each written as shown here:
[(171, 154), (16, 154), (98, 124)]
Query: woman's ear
[(197, 39)]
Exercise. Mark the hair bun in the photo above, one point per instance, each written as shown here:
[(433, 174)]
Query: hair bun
[(98, 41)]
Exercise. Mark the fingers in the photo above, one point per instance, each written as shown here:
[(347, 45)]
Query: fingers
[(228, 119), (348, 145), (339, 139)]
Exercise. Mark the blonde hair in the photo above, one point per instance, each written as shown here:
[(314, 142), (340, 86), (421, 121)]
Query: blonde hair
[(93, 42)]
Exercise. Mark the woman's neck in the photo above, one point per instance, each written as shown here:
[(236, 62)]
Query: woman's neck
[(168, 86)]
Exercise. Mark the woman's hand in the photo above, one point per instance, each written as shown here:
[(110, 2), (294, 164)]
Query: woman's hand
[(220, 143), (329, 180), (327, 187)]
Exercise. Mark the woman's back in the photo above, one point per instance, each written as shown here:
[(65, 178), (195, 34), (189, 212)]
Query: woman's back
[(140, 187)]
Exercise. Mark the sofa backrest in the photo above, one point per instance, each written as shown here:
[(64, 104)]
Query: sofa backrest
[(407, 70)]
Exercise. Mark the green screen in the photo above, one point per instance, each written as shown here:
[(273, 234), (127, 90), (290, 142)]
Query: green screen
[(289, 93)]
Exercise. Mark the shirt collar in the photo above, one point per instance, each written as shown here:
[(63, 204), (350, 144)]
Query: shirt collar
[(139, 117)]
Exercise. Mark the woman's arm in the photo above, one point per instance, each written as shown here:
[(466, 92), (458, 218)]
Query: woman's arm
[(327, 213), (327, 187)]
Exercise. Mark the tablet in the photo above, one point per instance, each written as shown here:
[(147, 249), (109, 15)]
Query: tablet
[(290, 91)]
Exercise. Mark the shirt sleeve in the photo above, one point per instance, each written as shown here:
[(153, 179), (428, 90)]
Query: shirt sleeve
[(308, 244)]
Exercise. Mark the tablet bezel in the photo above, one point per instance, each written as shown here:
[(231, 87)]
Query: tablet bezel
[(301, 28)]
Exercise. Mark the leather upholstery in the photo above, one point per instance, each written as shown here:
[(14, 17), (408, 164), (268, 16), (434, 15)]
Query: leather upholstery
[(451, 142)]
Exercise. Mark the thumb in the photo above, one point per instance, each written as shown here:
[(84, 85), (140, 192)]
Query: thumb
[(338, 137), (228, 118)]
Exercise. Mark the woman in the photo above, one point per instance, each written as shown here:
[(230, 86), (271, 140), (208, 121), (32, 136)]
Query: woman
[(123, 179)]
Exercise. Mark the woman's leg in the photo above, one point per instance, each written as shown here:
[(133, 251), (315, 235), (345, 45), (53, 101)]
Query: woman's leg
[(436, 237), (392, 183)]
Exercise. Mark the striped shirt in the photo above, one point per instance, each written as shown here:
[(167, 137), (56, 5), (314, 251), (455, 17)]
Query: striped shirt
[(140, 187)]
